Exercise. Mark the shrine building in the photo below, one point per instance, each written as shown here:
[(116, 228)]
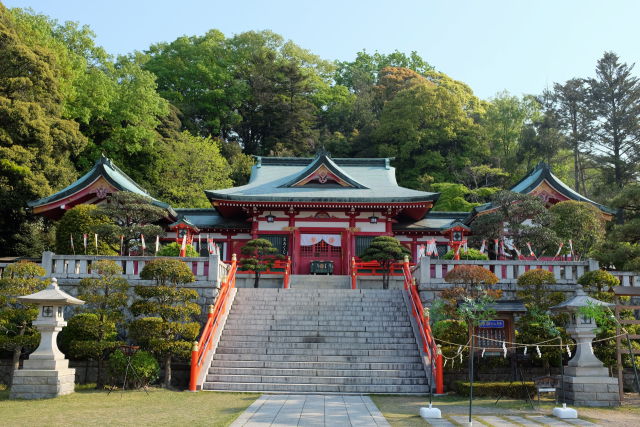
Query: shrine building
[(310, 209)]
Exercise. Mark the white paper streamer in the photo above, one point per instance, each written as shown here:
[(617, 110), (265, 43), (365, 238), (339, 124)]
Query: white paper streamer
[(445, 363), (568, 351), (483, 350), (504, 349), (460, 357), (525, 350), (538, 350)]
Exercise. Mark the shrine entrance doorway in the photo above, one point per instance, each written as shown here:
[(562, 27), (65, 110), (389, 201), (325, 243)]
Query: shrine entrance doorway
[(318, 250)]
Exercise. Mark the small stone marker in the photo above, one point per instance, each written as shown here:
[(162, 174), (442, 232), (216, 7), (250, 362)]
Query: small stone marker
[(46, 373)]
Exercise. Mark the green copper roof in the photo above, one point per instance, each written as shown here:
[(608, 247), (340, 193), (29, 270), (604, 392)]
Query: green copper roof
[(204, 218), (114, 175), (374, 180), (539, 174), (433, 221), (324, 159)]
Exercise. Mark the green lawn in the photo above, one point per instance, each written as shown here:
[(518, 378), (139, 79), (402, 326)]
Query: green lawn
[(161, 407)]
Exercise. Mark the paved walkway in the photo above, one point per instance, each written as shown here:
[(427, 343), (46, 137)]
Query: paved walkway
[(311, 410)]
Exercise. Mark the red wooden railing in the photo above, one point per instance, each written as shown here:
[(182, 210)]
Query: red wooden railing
[(372, 268), (428, 342), (287, 273), (202, 347)]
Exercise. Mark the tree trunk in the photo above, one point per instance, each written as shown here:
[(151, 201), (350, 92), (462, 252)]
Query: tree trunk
[(385, 280), (15, 359), (256, 279), (99, 379), (15, 362), (166, 383)]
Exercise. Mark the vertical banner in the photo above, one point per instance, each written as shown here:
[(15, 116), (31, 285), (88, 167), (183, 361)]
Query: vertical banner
[(144, 246), (73, 249), (95, 239), (157, 244), (84, 241), (121, 245)]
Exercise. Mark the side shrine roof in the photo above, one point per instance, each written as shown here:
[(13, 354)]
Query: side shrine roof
[(537, 178), (106, 169), (288, 179), (209, 218), (433, 221)]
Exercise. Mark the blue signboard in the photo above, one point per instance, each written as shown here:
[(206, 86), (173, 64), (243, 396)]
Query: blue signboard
[(491, 324)]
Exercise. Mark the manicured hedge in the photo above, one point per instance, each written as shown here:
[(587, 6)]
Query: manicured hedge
[(495, 389)]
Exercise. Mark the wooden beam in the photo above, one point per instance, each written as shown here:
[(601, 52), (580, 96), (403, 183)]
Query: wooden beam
[(626, 291)]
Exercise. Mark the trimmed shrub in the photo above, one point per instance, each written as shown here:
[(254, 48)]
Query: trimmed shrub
[(167, 271), (598, 281), (470, 254), (496, 389), (535, 289), (173, 249), (145, 365)]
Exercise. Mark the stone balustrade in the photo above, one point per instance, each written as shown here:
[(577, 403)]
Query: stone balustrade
[(68, 267), (430, 273), (433, 270)]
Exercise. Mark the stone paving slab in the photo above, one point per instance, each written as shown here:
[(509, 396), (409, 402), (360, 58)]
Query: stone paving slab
[(522, 420), (311, 410), (494, 421)]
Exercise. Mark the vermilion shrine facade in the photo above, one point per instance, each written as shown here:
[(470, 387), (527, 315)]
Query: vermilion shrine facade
[(311, 209)]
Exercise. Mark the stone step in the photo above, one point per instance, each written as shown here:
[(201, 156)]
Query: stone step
[(318, 329), (234, 338), (336, 351), (318, 323), (278, 364), (299, 379), (249, 345), (315, 388), (395, 373), (317, 358), (386, 309), (311, 318), (393, 333)]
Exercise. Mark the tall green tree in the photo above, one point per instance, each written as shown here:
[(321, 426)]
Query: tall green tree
[(615, 99), (571, 104), (430, 127), (196, 75), (36, 139), (505, 119), (16, 332), (189, 165)]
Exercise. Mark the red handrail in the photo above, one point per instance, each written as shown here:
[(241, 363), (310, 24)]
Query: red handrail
[(354, 274), (428, 342), (287, 273), (202, 347)]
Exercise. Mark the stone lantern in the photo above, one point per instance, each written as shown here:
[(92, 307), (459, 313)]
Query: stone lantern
[(586, 380), (46, 373)]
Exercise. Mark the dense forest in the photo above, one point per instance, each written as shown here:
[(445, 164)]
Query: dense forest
[(187, 115)]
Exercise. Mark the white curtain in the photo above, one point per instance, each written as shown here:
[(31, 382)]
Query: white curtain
[(312, 239)]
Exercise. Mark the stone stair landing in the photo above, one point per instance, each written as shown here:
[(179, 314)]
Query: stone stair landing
[(318, 341)]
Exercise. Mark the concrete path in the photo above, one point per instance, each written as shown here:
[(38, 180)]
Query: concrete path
[(508, 421), (311, 410)]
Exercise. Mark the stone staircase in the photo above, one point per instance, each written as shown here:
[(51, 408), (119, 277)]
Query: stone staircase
[(318, 341)]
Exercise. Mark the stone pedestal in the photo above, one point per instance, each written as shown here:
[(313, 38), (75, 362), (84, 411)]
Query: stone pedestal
[(589, 387), (38, 380)]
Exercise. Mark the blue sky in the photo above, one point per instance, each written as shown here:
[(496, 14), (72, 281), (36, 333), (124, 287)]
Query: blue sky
[(521, 46)]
